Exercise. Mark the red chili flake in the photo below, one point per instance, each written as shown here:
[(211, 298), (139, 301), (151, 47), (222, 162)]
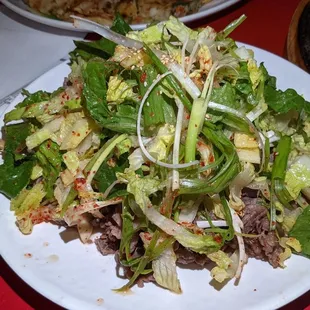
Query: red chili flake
[(184, 223), (217, 238), (175, 194), (273, 223), (78, 134), (68, 97), (148, 236), (202, 164), (199, 143), (187, 116), (211, 158), (79, 183), (49, 144), (143, 77)]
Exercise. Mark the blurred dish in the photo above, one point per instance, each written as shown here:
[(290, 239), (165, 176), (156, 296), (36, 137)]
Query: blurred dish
[(21, 8), (103, 11)]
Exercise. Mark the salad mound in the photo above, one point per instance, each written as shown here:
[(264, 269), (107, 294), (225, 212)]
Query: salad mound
[(176, 143)]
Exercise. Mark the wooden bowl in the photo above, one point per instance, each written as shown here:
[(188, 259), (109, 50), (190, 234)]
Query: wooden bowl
[(298, 39)]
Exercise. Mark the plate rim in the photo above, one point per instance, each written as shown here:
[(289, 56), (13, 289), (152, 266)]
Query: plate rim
[(223, 4), (73, 303)]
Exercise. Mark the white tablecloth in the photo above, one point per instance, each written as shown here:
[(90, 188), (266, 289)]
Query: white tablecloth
[(28, 49)]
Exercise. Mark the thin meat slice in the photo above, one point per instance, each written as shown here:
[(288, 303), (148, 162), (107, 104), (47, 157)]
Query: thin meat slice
[(186, 256), (110, 226), (255, 221)]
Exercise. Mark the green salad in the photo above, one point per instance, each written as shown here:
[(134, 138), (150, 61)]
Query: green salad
[(174, 143)]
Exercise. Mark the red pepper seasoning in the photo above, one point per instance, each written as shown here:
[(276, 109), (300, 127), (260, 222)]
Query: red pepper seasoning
[(143, 77)]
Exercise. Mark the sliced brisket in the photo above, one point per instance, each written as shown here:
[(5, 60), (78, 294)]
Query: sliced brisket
[(266, 247)]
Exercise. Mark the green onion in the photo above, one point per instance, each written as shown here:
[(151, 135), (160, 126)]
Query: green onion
[(279, 168), (231, 27), (170, 79)]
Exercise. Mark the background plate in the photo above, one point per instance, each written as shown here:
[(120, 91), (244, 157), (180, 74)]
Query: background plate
[(77, 276), (23, 9)]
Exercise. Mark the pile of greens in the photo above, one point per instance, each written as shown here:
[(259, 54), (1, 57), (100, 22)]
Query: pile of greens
[(173, 125)]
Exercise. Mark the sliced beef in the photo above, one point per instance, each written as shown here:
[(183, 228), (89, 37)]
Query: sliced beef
[(266, 247), (110, 225), (186, 256), (146, 278)]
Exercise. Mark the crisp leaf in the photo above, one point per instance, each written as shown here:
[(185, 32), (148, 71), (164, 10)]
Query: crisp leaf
[(33, 98), (95, 89), (301, 231), (50, 160), (120, 25), (165, 272), (225, 95), (284, 101), (106, 174), (16, 176)]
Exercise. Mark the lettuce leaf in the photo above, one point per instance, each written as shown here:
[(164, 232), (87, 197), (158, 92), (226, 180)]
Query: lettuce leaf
[(244, 178), (50, 160), (16, 178), (33, 98), (120, 90), (17, 174), (150, 35), (24, 203), (119, 25), (102, 48), (44, 133), (226, 95), (106, 174), (301, 231), (223, 262), (298, 176), (165, 272), (95, 77), (284, 101), (95, 89), (142, 188)]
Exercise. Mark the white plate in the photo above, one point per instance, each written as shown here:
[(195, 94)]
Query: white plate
[(76, 276), (23, 9)]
